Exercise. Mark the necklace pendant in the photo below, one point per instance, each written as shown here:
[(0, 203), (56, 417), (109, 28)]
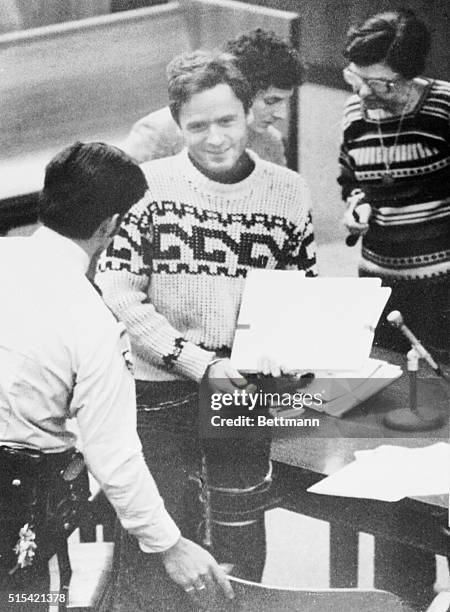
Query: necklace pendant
[(387, 178)]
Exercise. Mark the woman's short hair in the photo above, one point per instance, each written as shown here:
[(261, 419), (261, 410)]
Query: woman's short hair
[(85, 184), (192, 73), (397, 38), (266, 60)]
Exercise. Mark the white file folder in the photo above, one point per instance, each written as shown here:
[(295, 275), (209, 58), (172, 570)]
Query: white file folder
[(307, 323)]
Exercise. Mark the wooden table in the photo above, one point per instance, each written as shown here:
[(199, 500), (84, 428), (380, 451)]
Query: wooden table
[(303, 456)]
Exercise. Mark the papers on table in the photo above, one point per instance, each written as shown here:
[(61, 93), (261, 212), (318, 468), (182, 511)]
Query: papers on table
[(342, 391), (389, 473), (307, 323)]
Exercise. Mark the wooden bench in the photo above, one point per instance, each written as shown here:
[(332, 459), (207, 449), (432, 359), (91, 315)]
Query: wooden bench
[(92, 79)]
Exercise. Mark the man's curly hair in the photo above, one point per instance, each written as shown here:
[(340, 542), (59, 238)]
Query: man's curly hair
[(266, 60)]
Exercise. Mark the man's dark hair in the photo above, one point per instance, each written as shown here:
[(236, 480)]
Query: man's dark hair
[(192, 73), (266, 60), (86, 184), (397, 38)]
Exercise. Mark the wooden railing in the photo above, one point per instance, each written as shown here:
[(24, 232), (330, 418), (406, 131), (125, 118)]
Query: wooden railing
[(87, 79)]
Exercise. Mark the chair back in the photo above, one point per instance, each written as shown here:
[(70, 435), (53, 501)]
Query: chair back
[(252, 597)]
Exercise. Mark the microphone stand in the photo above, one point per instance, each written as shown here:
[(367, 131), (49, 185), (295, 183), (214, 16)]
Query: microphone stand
[(412, 419)]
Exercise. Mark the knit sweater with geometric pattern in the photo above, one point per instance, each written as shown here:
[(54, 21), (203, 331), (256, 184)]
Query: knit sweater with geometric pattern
[(174, 274), (409, 236)]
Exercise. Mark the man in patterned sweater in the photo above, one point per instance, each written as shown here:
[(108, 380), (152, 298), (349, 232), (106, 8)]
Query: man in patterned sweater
[(174, 275)]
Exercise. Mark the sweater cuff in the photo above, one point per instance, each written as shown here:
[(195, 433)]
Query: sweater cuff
[(194, 361)]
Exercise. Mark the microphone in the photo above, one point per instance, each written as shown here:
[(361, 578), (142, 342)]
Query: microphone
[(365, 209), (395, 318), (351, 240), (414, 418)]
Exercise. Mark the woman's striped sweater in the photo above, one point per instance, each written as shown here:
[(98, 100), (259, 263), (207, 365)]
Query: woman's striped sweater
[(175, 272), (409, 229)]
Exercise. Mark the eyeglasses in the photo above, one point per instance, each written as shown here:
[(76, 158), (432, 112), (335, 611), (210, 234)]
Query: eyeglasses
[(378, 86)]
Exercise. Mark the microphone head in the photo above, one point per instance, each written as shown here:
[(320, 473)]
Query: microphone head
[(351, 240), (395, 318)]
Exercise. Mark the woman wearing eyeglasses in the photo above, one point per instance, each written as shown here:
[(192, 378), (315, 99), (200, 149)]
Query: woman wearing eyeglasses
[(395, 173)]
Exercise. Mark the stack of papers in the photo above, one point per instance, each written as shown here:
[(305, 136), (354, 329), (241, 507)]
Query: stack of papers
[(342, 391), (313, 324), (389, 473)]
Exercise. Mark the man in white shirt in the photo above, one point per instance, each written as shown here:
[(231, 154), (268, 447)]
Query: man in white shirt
[(64, 355)]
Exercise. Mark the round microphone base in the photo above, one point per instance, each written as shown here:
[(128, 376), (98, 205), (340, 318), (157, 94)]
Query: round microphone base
[(403, 419)]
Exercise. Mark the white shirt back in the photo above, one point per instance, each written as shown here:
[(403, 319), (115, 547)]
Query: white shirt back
[(63, 354)]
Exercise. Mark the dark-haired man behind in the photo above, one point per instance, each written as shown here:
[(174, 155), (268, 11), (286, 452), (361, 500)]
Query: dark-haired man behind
[(272, 68), (174, 275), (63, 355)]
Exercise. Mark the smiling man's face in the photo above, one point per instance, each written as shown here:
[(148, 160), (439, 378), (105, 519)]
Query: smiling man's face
[(214, 127)]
